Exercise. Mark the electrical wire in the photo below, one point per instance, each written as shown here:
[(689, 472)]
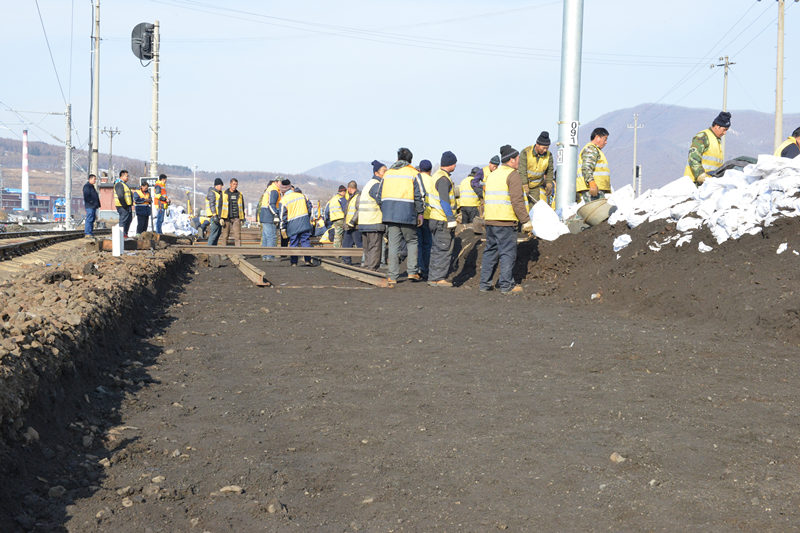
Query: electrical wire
[(53, 61)]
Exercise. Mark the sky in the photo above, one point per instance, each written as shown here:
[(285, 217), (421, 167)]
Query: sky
[(288, 85)]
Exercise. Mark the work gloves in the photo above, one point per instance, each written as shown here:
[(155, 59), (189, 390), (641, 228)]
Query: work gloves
[(451, 224), (527, 227), (593, 190)]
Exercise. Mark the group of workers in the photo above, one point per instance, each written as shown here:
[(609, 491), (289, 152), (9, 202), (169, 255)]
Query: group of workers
[(127, 202)]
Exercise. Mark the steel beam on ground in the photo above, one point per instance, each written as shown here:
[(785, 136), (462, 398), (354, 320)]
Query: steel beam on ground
[(372, 278), (252, 273), (266, 250)]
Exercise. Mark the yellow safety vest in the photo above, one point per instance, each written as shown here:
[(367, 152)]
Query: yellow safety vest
[(352, 203), (369, 213), (335, 208), (141, 198), (295, 204), (209, 212), (437, 213), (712, 157), (161, 204), (788, 142), (496, 198), (427, 183), (536, 167), (602, 175), (128, 196), (264, 202), (226, 201), (468, 196), (398, 184)]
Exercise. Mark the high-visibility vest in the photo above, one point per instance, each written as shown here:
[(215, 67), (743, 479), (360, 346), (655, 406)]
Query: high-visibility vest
[(467, 193), (398, 184), (295, 205), (712, 157), (536, 167), (141, 198), (226, 200), (211, 212), (437, 213), (161, 197), (496, 198), (335, 208), (602, 175), (788, 142), (352, 204), (127, 193), (428, 184), (369, 212), (264, 202)]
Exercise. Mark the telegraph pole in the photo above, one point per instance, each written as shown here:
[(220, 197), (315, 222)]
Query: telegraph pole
[(725, 63), (194, 187), (94, 119), (779, 80), (111, 132), (569, 102), (636, 126), (68, 171), (154, 121)]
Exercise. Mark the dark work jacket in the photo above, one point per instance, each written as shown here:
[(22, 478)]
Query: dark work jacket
[(91, 200)]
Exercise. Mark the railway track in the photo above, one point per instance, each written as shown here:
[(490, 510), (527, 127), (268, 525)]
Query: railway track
[(17, 249)]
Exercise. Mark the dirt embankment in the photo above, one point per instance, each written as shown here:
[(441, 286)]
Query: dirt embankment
[(55, 319)]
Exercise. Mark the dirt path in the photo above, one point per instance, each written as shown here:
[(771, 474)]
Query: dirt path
[(421, 409)]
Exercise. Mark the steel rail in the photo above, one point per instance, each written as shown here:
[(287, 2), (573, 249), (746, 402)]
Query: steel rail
[(267, 250), (9, 251)]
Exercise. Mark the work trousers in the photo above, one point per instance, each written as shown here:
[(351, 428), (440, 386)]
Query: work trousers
[(233, 227), (88, 226), (500, 246), (125, 219), (141, 222), (214, 231), (338, 232), (159, 219), (468, 214), (441, 250), (397, 233), (372, 242), (425, 241), (301, 240), (351, 239), (269, 237)]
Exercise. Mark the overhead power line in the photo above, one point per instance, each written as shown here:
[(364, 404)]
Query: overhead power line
[(46, 40)]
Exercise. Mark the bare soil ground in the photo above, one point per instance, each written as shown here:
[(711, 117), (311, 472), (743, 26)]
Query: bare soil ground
[(417, 409)]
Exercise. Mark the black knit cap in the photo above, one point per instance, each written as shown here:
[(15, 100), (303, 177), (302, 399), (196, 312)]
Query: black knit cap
[(495, 160), (218, 181), (508, 152), (723, 119), (425, 166), (376, 165), (543, 139), (286, 182), (448, 158), (342, 188)]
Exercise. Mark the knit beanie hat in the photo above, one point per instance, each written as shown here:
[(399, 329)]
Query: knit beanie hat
[(425, 166), (495, 160), (543, 139), (218, 181), (286, 182), (448, 158), (376, 166), (723, 119), (507, 152)]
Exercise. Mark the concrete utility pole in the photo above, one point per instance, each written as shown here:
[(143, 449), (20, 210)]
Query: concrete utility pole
[(569, 105), (636, 177), (26, 204), (725, 63), (68, 171), (154, 121), (779, 80), (194, 187), (111, 132), (94, 119)]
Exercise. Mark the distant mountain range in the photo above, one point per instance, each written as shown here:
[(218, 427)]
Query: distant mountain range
[(663, 144)]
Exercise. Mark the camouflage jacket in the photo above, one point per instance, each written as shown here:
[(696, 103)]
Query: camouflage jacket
[(591, 155), (700, 144)]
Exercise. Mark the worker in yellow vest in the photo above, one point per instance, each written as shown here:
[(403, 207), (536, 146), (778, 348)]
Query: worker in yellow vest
[(334, 213), (424, 237), (232, 213), (594, 177), (537, 169), (790, 147), (352, 237), (213, 210), (267, 215), (370, 219), (469, 201), (295, 220), (504, 208), (402, 206), (442, 221), (162, 200), (143, 209), (123, 201), (705, 153)]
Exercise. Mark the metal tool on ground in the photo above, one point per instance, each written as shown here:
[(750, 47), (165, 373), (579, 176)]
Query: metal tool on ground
[(379, 279)]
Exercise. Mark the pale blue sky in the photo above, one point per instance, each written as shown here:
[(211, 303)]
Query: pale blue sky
[(289, 85)]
